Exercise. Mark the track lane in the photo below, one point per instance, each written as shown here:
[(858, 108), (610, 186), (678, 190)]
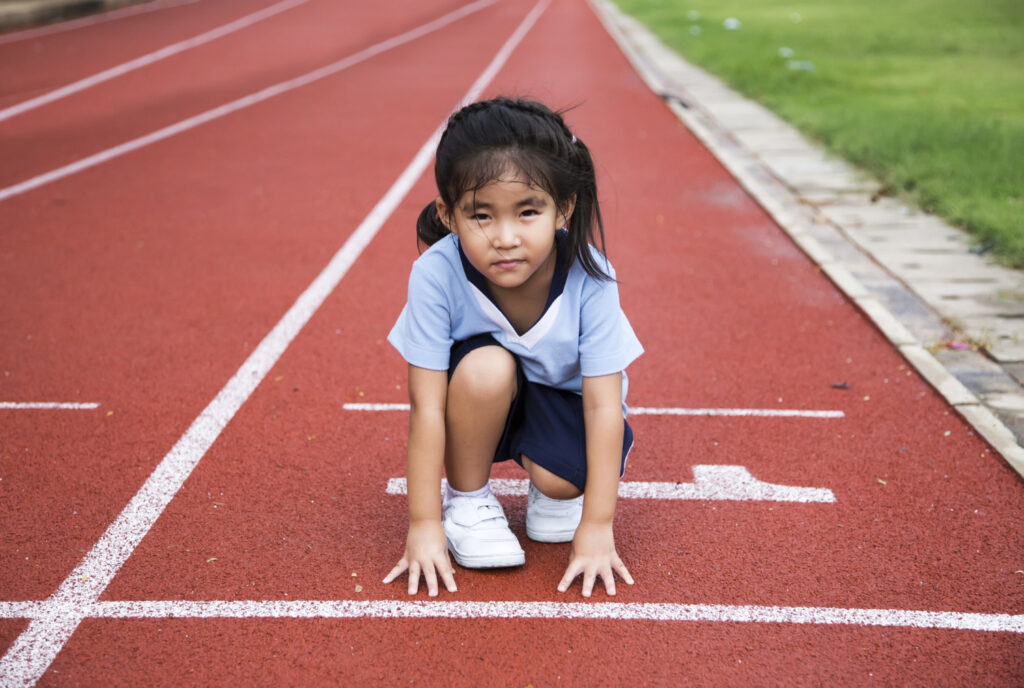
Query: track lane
[(570, 653), (16, 35), (150, 58), (46, 62), (282, 47)]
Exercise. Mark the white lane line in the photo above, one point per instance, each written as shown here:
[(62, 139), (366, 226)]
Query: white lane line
[(46, 405), (767, 413), (63, 26), (20, 610), (620, 611), (243, 102), (648, 411), (376, 407), (717, 483), (150, 58), (36, 647)]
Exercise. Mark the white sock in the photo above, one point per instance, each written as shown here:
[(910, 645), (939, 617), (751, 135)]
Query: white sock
[(484, 491)]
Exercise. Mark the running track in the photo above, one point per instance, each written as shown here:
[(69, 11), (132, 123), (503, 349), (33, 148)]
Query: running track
[(215, 513)]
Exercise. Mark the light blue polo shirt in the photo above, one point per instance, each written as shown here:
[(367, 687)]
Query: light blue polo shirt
[(582, 332)]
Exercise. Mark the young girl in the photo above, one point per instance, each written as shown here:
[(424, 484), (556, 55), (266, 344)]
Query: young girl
[(517, 349)]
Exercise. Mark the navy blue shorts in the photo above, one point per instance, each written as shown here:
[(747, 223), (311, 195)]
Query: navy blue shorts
[(544, 423)]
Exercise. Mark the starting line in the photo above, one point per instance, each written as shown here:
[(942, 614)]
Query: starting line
[(650, 411), (732, 483), (396, 609)]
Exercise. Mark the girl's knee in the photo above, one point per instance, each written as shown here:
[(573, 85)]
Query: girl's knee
[(485, 373)]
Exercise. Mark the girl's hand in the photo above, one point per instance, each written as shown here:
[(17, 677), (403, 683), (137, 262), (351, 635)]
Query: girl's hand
[(593, 554), (426, 552)]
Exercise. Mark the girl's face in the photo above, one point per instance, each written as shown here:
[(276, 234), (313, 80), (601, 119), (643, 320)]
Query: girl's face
[(507, 231)]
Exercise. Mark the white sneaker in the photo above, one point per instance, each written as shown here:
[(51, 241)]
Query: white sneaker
[(552, 520), (478, 533)]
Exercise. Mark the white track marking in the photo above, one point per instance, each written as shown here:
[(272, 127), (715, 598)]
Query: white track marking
[(36, 647), (239, 104), (628, 611), (721, 483), (646, 411), (20, 610), (768, 413), (46, 405), (376, 407), (150, 58), (63, 26)]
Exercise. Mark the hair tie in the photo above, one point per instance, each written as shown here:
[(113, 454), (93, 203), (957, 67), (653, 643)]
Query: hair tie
[(573, 138)]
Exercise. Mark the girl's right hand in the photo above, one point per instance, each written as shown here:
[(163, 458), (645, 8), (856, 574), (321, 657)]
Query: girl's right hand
[(426, 552)]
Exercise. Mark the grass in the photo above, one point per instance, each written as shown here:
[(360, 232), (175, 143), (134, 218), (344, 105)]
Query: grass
[(927, 95)]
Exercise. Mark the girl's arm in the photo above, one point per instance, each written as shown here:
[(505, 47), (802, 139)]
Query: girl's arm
[(426, 550), (593, 546)]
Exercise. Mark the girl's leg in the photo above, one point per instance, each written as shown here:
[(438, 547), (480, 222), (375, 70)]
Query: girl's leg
[(548, 483), (480, 393)]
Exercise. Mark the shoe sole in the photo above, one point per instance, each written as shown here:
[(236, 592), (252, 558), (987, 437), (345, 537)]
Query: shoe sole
[(551, 536), (494, 561)]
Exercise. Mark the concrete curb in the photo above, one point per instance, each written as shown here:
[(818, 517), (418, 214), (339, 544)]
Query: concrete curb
[(789, 197), (22, 13)]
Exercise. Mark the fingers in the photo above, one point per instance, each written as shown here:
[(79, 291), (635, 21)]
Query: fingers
[(620, 569), (577, 566), (430, 571), (609, 579), (574, 569), (591, 572), (397, 571), (447, 577), (588, 581), (430, 576), (414, 577)]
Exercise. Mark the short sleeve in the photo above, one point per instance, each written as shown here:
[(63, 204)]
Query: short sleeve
[(607, 341), (422, 334)]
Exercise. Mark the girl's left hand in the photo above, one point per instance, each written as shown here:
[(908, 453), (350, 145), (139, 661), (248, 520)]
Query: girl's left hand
[(593, 554)]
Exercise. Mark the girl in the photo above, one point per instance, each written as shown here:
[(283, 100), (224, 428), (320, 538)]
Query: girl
[(516, 348)]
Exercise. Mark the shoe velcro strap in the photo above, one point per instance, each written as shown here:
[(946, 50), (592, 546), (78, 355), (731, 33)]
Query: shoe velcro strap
[(471, 511)]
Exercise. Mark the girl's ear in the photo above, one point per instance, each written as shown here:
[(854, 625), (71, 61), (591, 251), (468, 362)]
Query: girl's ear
[(566, 210), (444, 215)]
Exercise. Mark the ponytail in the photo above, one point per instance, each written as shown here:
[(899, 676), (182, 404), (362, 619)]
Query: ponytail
[(429, 228), (586, 216)]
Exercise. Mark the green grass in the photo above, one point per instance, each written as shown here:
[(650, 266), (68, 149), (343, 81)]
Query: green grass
[(927, 95)]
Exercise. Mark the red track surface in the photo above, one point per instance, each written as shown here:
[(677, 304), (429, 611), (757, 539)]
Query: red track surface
[(145, 282)]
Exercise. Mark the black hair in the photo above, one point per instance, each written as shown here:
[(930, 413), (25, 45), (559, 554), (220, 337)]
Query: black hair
[(487, 139)]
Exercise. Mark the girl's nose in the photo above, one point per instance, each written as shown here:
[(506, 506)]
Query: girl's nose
[(505, 237)]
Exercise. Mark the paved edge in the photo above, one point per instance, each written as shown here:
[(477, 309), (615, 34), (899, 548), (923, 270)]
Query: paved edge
[(25, 13), (822, 241)]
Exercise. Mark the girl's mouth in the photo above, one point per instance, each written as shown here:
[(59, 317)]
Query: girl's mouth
[(508, 264)]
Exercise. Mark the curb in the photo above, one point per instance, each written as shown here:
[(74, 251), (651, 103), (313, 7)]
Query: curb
[(820, 238), (22, 13)]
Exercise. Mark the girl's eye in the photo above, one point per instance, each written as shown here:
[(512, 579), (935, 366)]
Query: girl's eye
[(479, 217), (530, 213)]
